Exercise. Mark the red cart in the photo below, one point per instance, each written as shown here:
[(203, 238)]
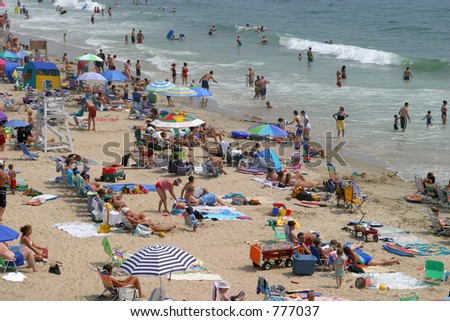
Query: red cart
[(112, 173), (262, 255), (365, 230)]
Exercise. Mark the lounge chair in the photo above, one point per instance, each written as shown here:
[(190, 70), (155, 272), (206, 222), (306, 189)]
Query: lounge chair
[(208, 169), (437, 227), (126, 223), (8, 264), (216, 292), (434, 271), (320, 261), (158, 294), (26, 152), (430, 189), (278, 231), (358, 199), (118, 257), (273, 293), (443, 197), (419, 185), (189, 222), (111, 290), (332, 172)]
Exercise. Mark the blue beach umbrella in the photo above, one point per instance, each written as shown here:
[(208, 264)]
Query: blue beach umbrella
[(3, 116), (267, 130), (23, 53), (114, 75), (201, 92), (14, 123), (8, 55), (7, 234), (159, 86)]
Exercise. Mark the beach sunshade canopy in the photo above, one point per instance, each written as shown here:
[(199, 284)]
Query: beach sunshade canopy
[(201, 92), (14, 123), (114, 75), (267, 130), (7, 234), (180, 92), (88, 57), (92, 76), (177, 119), (8, 55), (159, 86), (3, 116), (157, 260)]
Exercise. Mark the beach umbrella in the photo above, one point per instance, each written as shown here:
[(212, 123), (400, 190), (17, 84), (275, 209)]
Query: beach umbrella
[(177, 119), (267, 130), (88, 57), (23, 53), (159, 86), (7, 234), (114, 75), (14, 123), (180, 92), (201, 92), (92, 76), (157, 260), (8, 55), (3, 116)]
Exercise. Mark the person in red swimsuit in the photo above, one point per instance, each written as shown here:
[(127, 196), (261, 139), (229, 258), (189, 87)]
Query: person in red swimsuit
[(184, 74), (165, 185)]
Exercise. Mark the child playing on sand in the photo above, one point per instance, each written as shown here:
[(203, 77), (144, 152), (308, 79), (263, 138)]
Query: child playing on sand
[(12, 178), (429, 118), (395, 122), (339, 268)]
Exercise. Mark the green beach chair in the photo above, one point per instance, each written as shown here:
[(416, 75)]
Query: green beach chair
[(434, 271)]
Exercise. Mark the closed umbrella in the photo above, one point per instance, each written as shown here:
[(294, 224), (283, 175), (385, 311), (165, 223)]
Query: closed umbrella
[(88, 57), (159, 86), (3, 116), (114, 75), (14, 123), (157, 260), (177, 119), (267, 130), (92, 76), (7, 234)]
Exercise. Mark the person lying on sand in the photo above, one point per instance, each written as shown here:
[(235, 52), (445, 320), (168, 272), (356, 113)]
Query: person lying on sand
[(356, 259), (139, 218), (206, 199)]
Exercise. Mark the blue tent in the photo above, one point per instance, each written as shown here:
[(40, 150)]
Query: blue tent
[(9, 69), (267, 158)]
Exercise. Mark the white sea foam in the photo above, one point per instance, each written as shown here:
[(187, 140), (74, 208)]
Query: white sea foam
[(343, 52)]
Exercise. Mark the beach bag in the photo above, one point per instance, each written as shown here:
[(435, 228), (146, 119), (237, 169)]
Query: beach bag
[(329, 185), (297, 190), (142, 231), (304, 196), (54, 269), (355, 269), (255, 202)]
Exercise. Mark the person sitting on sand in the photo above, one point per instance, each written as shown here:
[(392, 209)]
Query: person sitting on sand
[(206, 199), (40, 253), (95, 186), (191, 184), (311, 151), (139, 218), (131, 280), (445, 223), (271, 175), (223, 288), (355, 259), (24, 254)]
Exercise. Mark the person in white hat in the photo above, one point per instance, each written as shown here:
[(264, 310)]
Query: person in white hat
[(223, 287)]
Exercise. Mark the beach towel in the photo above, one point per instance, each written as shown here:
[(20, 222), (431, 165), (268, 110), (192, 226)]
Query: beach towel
[(427, 249), (269, 183), (14, 277), (219, 213), (394, 281), (41, 199), (81, 229), (118, 187), (398, 235)]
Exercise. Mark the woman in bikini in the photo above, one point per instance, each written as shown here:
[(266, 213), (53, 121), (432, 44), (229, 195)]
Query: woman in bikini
[(40, 253), (161, 187), (444, 112), (366, 259)]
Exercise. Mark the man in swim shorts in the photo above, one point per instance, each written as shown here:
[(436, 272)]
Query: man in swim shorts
[(133, 36), (404, 115), (206, 78), (310, 55), (4, 180), (298, 120)]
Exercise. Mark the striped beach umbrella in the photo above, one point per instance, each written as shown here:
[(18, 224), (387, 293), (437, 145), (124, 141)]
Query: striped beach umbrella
[(159, 86), (180, 92), (157, 260), (88, 57), (267, 130), (177, 119)]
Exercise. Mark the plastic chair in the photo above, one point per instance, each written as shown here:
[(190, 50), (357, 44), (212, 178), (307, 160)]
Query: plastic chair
[(434, 270), (411, 296), (320, 262)]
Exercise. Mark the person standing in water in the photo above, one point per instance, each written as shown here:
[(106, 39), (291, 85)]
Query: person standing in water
[(338, 79), (211, 30), (206, 78), (340, 121), (92, 19), (404, 116), (429, 118), (344, 72), (239, 41), (133, 36), (444, 112), (407, 75), (310, 55)]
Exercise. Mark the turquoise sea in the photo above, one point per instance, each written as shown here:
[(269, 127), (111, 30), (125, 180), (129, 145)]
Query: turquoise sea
[(376, 40)]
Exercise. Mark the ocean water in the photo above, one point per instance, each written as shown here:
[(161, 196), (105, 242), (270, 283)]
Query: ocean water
[(376, 41)]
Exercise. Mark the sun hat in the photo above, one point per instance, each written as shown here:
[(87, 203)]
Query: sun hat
[(107, 197), (125, 210), (223, 285)]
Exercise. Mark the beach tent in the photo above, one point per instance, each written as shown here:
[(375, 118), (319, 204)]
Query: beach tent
[(10, 67), (41, 74), (267, 158)]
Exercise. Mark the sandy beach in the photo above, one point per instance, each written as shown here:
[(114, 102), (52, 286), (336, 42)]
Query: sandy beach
[(222, 246)]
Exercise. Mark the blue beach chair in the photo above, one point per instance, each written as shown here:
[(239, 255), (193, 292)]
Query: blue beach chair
[(26, 153)]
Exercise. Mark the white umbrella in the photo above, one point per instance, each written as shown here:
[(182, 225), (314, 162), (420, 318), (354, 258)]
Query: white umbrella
[(157, 260), (92, 76), (88, 57)]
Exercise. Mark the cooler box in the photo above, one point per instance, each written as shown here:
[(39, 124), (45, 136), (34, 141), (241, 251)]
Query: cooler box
[(90, 196), (303, 264)]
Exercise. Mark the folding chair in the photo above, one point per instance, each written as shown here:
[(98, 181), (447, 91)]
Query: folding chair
[(26, 152), (358, 199), (273, 293), (419, 185), (443, 197), (320, 262), (434, 271), (158, 294), (430, 189), (110, 289), (8, 264)]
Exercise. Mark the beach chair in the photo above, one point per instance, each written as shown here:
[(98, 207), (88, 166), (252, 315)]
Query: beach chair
[(358, 199), (110, 289), (443, 197), (420, 187), (97, 205), (8, 264), (430, 190), (273, 293), (332, 172), (320, 262), (278, 232), (189, 222), (216, 292), (126, 223), (437, 227), (410, 296), (434, 271), (158, 294), (26, 152), (208, 169)]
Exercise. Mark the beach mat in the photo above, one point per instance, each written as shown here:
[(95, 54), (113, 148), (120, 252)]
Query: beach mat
[(395, 281), (397, 235), (118, 187), (82, 229), (269, 183), (220, 213)]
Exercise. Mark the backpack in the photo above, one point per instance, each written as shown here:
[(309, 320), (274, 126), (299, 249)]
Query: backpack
[(296, 191), (355, 269), (329, 185)]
